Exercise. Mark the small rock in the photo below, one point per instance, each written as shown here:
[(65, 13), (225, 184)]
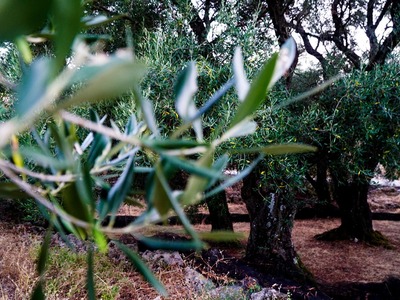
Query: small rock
[(162, 258), (198, 282), (268, 294), (228, 292), (77, 244)]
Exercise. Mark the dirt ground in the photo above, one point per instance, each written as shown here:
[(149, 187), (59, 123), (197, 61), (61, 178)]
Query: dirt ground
[(337, 263), (346, 261), (333, 264)]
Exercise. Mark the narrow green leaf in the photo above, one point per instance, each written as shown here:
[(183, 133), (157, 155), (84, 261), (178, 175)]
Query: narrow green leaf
[(43, 159), (44, 252), (100, 142), (308, 94), (43, 145), (76, 206), (287, 54), (214, 99), (257, 93), (54, 221), (172, 144), (219, 166), (24, 49), (185, 89), (67, 23), (60, 229), (279, 149), (142, 268), (185, 165), (90, 276), (155, 244), (38, 293), (131, 126), (222, 236), (243, 128), (84, 184), (147, 110), (282, 149), (63, 141), (100, 239), (33, 86), (105, 80), (119, 191), (11, 190), (196, 185), (231, 181), (156, 195), (176, 205), (99, 145)]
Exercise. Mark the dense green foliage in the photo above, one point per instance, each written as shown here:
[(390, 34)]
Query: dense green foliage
[(360, 112)]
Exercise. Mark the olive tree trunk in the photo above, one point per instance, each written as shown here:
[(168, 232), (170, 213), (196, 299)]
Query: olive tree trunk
[(219, 212), (355, 214), (270, 248)]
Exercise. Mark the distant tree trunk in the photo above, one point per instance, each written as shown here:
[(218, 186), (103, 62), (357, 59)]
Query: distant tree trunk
[(320, 183), (355, 214), (270, 248), (219, 212)]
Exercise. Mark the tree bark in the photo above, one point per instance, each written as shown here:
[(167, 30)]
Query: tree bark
[(219, 212), (320, 183), (270, 248), (355, 215)]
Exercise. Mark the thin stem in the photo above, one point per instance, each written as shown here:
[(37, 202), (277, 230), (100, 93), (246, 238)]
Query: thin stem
[(32, 191), (40, 176), (99, 128)]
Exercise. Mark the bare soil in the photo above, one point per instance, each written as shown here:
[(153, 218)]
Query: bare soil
[(345, 269)]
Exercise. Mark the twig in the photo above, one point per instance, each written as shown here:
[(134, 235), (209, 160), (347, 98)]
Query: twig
[(99, 128), (32, 191), (40, 176), (7, 83)]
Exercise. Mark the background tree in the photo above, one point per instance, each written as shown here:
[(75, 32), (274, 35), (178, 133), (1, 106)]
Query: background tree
[(332, 39), (334, 36)]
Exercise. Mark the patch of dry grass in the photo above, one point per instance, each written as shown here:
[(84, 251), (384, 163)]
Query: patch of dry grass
[(17, 267), (66, 272)]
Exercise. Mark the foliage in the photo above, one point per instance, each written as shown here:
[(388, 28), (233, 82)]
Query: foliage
[(345, 124), (63, 172)]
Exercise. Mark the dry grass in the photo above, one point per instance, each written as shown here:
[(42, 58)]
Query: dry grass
[(17, 267), (66, 273)]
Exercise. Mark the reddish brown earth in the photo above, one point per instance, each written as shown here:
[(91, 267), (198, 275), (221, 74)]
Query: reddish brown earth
[(340, 267), (346, 269)]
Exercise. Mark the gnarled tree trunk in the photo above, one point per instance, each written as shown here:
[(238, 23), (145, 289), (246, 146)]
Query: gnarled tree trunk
[(355, 214), (270, 248)]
